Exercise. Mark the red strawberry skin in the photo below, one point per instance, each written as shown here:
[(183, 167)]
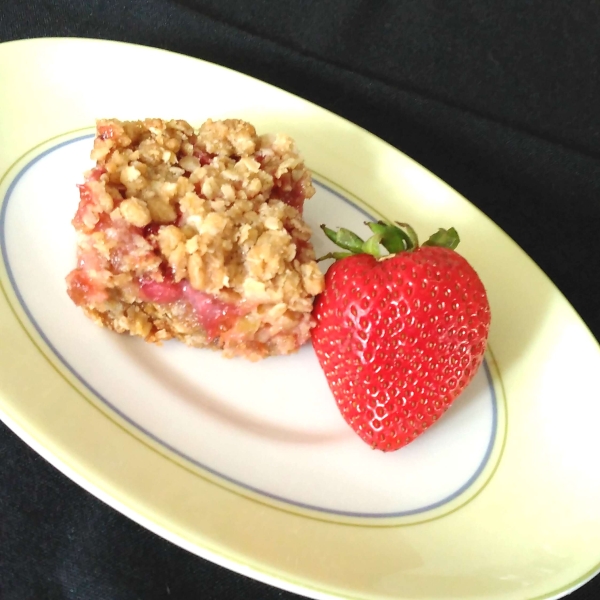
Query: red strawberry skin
[(399, 339)]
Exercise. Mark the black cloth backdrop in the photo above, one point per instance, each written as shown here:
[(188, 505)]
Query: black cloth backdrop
[(500, 99)]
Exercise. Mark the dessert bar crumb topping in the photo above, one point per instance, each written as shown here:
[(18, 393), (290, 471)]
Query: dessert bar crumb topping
[(170, 211)]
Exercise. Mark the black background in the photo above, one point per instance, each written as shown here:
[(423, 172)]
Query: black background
[(500, 99)]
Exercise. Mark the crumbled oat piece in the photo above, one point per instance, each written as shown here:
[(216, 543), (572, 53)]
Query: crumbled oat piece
[(135, 211), (197, 235), (229, 137)]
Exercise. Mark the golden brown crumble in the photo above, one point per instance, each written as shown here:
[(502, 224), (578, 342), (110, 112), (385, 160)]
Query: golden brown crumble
[(197, 235)]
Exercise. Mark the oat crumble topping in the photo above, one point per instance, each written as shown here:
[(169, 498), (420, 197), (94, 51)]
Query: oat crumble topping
[(197, 235)]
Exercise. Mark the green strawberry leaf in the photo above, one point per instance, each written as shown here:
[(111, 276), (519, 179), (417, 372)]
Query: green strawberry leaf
[(410, 233), (371, 246), (394, 240), (445, 238), (394, 237), (335, 256), (344, 238)]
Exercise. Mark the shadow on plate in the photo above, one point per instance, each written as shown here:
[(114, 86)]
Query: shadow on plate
[(220, 409)]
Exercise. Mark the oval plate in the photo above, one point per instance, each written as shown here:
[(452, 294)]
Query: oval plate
[(251, 466)]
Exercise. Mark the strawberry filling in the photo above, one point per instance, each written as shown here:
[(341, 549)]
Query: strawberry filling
[(106, 132), (96, 174), (87, 200), (290, 192), (83, 290), (214, 315), (204, 157), (160, 292)]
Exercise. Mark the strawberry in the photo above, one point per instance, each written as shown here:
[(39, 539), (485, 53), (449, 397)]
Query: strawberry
[(400, 336)]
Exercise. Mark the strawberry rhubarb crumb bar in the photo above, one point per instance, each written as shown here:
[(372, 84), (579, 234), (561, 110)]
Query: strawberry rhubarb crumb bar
[(197, 235)]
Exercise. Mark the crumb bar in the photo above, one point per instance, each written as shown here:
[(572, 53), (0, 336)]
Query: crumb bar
[(197, 235)]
